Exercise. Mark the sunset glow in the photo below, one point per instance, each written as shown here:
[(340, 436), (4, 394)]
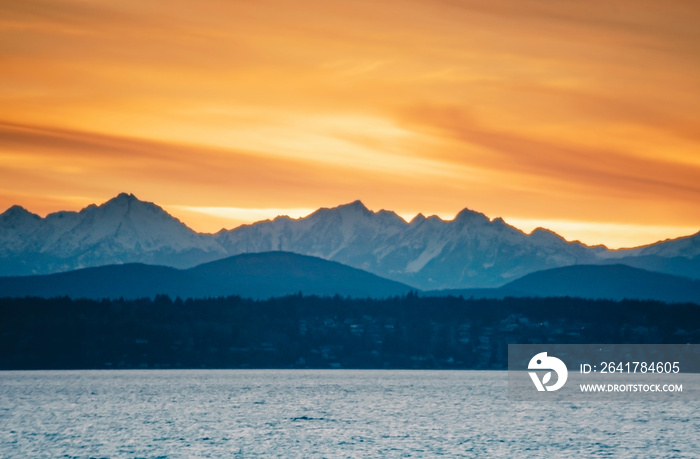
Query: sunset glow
[(577, 116)]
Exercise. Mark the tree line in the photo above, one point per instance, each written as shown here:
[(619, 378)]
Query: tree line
[(300, 331)]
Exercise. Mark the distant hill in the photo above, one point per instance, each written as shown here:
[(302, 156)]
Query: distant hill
[(614, 282), (133, 280), (258, 275), (683, 266)]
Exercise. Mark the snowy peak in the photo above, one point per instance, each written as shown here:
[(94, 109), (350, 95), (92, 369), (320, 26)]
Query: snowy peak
[(356, 209), (352, 210), (125, 205), (419, 218), (134, 224), (129, 197), (686, 247), (17, 226), (545, 235), (123, 229), (390, 217), (15, 211), (355, 206), (353, 217), (18, 215), (470, 217)]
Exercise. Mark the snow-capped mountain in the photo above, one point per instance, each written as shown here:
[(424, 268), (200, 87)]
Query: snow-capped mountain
[(121, 230), (470, 251), (686, 247), (680, 256), (428, 253)]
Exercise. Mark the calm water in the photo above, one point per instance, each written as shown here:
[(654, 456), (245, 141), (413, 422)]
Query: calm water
[(320, 413)]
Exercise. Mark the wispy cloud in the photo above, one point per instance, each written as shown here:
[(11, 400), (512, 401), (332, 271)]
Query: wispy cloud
[(532, 109)]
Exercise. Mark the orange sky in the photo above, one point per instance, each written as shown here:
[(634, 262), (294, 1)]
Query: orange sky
[(579, 116)]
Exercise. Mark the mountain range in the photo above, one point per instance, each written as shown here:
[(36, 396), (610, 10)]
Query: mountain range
[(427, 253)]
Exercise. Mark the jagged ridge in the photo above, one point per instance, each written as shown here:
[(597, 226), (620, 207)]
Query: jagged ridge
[(470, 251)]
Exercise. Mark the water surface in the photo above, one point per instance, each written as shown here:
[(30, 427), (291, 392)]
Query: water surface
[(331, 413)]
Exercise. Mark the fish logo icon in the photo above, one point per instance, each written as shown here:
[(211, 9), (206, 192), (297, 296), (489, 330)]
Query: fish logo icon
[(542, 361)]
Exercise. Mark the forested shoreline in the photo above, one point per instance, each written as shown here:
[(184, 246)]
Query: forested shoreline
[(299, 331)]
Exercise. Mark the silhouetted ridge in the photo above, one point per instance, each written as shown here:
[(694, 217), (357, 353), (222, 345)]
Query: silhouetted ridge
[(608, 281), (256, 275)]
